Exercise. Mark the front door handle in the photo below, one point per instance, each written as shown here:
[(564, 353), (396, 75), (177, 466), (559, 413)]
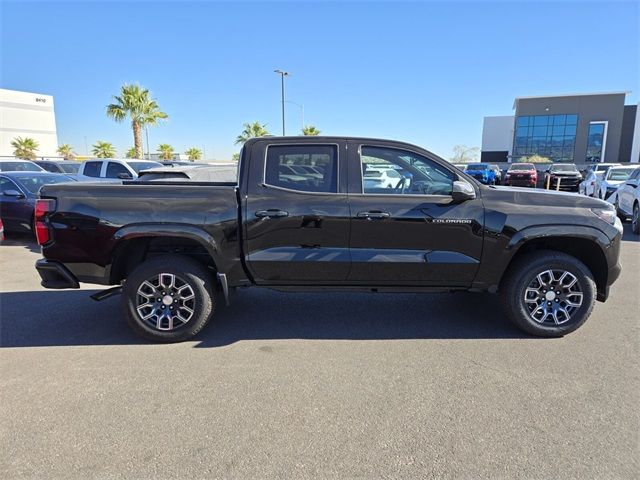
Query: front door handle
[(375, 214), (271, 213)]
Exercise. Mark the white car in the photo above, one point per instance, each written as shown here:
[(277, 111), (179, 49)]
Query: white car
[(627, 199), (374, 178), (611, 180), (594, 174), (112, 169)]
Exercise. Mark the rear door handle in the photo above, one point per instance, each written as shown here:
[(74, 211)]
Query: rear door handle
[(373, 214), (271, 213)]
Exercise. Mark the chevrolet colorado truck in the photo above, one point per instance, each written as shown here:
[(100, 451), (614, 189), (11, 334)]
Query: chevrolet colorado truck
[(301, 218)]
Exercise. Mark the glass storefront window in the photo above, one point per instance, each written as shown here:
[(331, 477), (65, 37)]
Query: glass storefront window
[(552, 136), (595, 142)]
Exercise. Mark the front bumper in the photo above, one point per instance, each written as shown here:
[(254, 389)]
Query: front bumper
[(55, 275)]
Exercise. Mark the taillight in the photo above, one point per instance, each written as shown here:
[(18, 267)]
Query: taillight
[(43, 208)]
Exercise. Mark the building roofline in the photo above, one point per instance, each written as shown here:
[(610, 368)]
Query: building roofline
[(587, 94)]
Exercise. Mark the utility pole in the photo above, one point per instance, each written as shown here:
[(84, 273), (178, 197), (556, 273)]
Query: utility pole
[(282, 74), (146, 132)]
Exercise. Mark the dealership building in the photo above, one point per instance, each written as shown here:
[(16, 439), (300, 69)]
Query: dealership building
[(580, 128), (24, 114)]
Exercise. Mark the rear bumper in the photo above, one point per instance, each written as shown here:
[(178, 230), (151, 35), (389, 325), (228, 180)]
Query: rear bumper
[(55, 275)]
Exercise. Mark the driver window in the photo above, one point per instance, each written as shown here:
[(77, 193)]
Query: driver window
[(394, 171)]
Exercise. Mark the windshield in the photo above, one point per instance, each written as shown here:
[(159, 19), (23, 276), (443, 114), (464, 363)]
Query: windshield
[(32, 183), (619, 174), (522, 166), (139, 166), (19, 167), (478, 166), (564, 168), (70, 167)]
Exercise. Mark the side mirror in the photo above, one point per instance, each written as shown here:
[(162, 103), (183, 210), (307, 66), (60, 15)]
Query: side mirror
[(13, 193), (462, 191), (125, 176)]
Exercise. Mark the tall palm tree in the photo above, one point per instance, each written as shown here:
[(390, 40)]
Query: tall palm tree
[(136, 103), (310, 130), (66, 151), (166, 151), (131, 153), (25, 148), (251, 130), (194, 153), (103, 149)]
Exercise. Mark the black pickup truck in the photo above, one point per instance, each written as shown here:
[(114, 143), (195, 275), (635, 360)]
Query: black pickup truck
[(327, 213)]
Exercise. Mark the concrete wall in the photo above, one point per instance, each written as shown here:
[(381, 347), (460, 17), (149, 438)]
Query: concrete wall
[(589, 108), (24, 114), (497, 134)]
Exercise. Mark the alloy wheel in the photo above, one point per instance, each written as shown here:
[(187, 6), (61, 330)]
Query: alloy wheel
[(165, 302), (553, 296)]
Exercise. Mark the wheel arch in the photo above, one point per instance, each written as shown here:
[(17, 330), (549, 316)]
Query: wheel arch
[(136, 243), (587, 244)]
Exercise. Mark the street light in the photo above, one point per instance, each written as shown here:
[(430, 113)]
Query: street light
[(282, 74), (301, 107)]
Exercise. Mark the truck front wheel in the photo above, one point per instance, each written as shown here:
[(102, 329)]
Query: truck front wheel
[(548, 293), (169, 298)]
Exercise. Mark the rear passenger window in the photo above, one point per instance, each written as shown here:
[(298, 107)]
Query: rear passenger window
[(92, 169), (114, 169), (306, 168)]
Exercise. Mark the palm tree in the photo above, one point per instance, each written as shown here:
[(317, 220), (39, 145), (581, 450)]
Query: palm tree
[(103, 150), (136, 103), (24, 148), (132, 153), (194, 154), (310, 130), (66, 151), (252, 130), (166, 151)]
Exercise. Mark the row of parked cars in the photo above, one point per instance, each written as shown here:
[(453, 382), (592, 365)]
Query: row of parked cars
[(21, 180)]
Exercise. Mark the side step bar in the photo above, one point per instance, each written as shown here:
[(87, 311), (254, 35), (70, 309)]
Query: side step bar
[(104, 294)]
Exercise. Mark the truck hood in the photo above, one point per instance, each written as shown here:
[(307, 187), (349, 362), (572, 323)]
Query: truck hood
[(542, 198)]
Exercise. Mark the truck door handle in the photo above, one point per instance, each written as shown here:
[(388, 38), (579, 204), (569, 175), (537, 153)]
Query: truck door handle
[(373, 214), (271, 213)]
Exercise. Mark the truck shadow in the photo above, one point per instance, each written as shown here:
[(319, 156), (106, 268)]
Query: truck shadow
[(70, 318)]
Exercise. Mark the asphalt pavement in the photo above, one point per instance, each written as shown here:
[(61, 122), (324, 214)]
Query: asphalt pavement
[(315, 386)]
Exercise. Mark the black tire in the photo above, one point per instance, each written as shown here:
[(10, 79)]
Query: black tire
[(635, 221), (185, 271), (521, 275)]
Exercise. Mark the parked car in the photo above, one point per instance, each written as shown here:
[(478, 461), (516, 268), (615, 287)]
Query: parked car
[(498, 172), (19, 191), (612, 178), (389, 178), (167, 246), (566, 174), (521, 175), (68, 167), (589, 184), (19, 166), (627, 201), (113, 169), (482, 172)]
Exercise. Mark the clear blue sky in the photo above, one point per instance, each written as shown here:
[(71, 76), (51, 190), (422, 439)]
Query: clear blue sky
[(424, 72)]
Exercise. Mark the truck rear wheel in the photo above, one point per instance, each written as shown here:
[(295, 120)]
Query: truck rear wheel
[(169, 298), (548, 293)]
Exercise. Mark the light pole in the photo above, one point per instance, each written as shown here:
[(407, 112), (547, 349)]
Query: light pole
[(301, 107), (146, 132), (282, 74)]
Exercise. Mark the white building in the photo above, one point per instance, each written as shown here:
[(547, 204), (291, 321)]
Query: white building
[(24, 114)]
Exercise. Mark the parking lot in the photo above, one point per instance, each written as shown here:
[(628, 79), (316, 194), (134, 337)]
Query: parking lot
[(315, 386)]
